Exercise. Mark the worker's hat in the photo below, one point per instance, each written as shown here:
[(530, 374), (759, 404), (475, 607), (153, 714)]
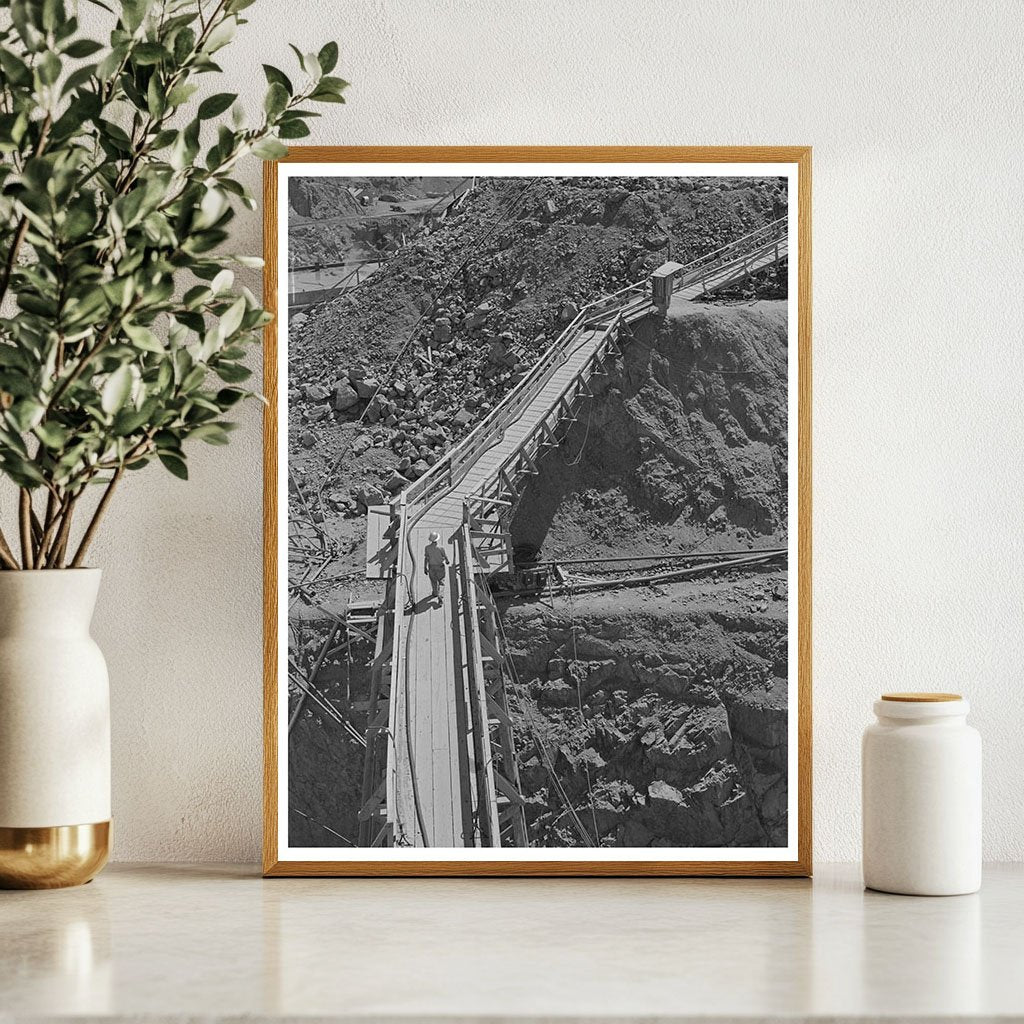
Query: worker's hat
[(434, 538)]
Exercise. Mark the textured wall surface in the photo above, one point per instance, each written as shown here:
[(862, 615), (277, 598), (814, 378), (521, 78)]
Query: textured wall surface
[(913, 110)]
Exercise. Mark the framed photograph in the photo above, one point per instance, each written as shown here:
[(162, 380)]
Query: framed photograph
[(538, 511)]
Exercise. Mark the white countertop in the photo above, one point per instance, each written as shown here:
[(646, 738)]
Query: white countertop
[(180, 941)]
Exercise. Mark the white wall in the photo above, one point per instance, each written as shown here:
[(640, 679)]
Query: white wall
[(914, 113)]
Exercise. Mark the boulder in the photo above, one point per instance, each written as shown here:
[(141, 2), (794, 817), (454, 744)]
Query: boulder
[(367, 496), (366, 386), (395, 482), (344, 397), (569, 311), (317, 392), (557, 693), (479, 315)]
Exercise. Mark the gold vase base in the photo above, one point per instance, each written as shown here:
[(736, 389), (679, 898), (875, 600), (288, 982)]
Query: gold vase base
[(53, 857)]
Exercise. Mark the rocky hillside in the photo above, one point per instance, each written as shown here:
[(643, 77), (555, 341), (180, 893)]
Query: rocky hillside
[(662, 713), (469, 305)]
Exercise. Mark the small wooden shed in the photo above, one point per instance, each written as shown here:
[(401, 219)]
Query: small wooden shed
[(661, 283)]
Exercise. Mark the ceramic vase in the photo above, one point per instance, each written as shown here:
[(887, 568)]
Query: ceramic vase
[(54, 731)]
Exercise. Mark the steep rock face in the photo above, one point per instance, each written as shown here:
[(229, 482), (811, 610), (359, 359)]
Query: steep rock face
[(687, 437), (665, 722)]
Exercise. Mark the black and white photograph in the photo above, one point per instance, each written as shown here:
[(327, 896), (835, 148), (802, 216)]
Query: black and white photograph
[(537, 484)]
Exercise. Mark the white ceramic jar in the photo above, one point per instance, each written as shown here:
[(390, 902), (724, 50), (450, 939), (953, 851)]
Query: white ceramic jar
[(921, 778)]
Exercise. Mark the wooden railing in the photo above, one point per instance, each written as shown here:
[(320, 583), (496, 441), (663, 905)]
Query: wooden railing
[(737, 253), (446, 473)]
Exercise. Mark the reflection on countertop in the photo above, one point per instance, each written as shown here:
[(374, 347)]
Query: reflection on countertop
[(180, 941)]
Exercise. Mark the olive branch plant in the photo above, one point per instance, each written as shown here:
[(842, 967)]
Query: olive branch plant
[(123, 333)]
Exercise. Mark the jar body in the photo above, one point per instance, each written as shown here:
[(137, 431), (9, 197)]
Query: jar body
[(921, 779), (54, 730)]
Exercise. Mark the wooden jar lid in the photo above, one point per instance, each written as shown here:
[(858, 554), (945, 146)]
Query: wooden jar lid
[(921, 698)]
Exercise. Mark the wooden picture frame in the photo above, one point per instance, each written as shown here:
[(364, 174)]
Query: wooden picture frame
[(791, 159)]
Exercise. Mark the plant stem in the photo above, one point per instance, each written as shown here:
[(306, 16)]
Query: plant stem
[(60, 544), (87, 357), (51, 524), (6, 554), (22, 228), (94, 523), (25, 524), (12, 255)]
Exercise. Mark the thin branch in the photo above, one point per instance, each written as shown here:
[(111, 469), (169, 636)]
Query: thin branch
[(94, 523), (22, 228), (55, 559), (6, 554), (25, 524), (87, 357), (51, 527)]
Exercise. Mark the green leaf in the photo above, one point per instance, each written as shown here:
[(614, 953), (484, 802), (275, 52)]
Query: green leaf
[(276, 99), (16, 70), (82, 48), (227, 397), (53, 435), (26, 414), (255, 262), (130, 421), (328, 57), (133, 12), (232, 319), (337, 85), (149, 53), (221, 35), (275, 76), (269, 149), (310, 64), (21, 471), (181, 94), (144, 338), (174, 464), (48, 68), (211, 433), (222, 281), (214, 105), (116, 390), (293, 130), (184, 44), (327, 96), (232, 373)]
